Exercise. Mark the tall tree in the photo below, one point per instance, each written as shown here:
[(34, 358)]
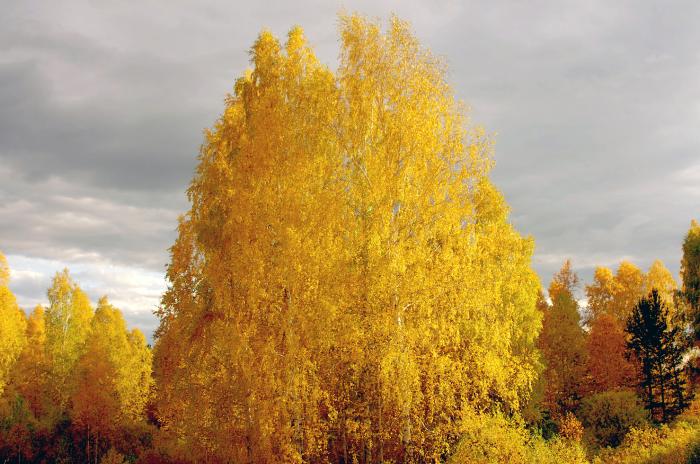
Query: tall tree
[(67, 324), (563, 345), (690, 275), (112, 378), (346, 279), (660, 351), (30, 374), (12, 326)]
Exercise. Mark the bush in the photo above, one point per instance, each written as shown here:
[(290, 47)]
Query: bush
[(496, 439), (675, 444), (113, 457), (491, 438), (556, 451), (571, 428), (609, 416), (678, 444)]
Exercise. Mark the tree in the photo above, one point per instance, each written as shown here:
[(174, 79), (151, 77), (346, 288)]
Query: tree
[(563, 345), (128, 353), (600, 293), (67, 324), (346, 284), (690, 274), (660, 352), (12, 326), (30, 374), (95, 399), (112, 378), (660, 278), (615, 295), (608, 365)]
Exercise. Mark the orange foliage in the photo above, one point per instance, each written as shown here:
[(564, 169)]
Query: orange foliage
[(608, 365)]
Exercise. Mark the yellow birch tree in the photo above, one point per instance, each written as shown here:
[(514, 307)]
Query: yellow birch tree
[(346, 284)]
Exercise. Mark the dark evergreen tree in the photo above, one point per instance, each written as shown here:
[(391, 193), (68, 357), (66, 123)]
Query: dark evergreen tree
[(660, 351)]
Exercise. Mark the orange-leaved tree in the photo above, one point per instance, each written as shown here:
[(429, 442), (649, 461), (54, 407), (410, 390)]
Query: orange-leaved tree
[(563, 345)]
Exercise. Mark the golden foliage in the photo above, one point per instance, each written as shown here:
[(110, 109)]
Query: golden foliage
[(67, 325), (12, 326), (491, 439), (346, 284), (570, 427), (617, 294), (30, 374)]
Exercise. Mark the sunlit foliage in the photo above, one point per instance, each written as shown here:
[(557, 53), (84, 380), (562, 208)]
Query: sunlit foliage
[(563, 345), (12, 326), (78, 382), (67, 324), (616, 294), (346, 278), (346, 287), (690, 276)]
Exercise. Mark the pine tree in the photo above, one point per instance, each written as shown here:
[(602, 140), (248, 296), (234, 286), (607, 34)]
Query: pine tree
[(660, 350)]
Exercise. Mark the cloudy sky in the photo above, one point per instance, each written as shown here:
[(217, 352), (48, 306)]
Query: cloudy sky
[(595, 107)]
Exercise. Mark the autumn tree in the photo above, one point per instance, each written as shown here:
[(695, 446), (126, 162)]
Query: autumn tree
[(660, 278), (563, 344), (609, 367), (690, 275), (112, 378), (616, 294), (12, 326), (30, 374), (660, 350), (346, 285), (94, 399), (67, 324)]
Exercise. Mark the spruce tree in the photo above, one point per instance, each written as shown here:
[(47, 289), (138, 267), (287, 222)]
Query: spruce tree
[(659, 350)]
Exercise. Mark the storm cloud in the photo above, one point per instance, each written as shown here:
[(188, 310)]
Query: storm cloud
[(594, 106)]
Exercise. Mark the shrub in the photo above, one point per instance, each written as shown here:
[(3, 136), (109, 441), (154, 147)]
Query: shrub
[(556, 451), (112, 457), (496, 439), (675, 444), (571, 428), (678, 444), (609, 416), (491, 438)]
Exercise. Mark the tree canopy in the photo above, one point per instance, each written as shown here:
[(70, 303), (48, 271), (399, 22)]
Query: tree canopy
[(346, 276)]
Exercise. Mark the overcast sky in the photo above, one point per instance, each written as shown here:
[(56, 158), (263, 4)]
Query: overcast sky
[(595, 108)]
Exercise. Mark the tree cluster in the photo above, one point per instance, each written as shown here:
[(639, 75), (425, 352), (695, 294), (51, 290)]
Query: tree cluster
[(634, 336), (73, 380)]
